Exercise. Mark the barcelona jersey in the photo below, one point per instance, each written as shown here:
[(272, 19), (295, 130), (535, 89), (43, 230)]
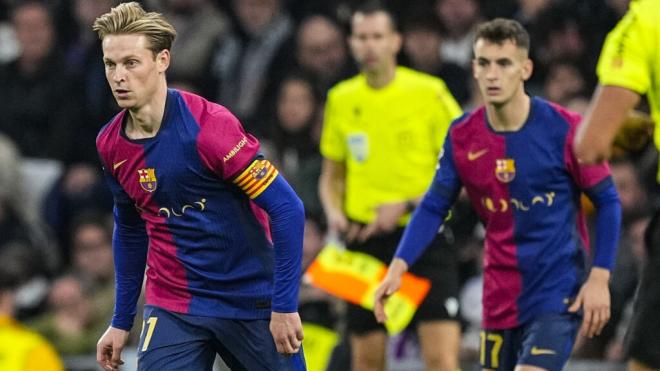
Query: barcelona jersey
[(187, 192), (525, 186)]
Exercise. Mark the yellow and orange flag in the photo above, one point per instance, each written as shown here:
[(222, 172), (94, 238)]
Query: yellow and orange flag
[(355, 276)]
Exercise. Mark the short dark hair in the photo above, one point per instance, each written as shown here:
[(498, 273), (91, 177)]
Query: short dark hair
[(375, 6), (500, 30)]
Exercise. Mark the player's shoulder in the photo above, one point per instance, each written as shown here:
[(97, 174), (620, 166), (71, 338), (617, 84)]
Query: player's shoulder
[(347, 88), (470, 120), (204, 111), (109, 134), (552, 111), (419, 80), (648, 10)]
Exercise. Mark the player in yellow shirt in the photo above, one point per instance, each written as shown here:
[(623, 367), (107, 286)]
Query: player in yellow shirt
[(629, 67), (20, 348), (382, 134)]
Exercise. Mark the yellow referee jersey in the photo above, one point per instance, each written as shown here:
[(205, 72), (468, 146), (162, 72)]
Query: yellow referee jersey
[(630, 57), (24, 350), (388, 138)]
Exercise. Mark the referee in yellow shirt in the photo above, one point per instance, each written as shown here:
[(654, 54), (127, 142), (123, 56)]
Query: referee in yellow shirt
[(629, 67), (382, 134)]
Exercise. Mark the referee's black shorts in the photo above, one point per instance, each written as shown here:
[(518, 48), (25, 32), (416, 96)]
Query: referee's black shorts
[(439, 263), (643, 337)]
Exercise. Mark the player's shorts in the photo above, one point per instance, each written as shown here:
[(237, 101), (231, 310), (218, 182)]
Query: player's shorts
[(643, 337), (546, 342), (438, 263), (173, 341)]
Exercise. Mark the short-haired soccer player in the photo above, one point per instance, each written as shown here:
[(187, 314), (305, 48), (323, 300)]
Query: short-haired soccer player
[(192, 199), (515, 158)]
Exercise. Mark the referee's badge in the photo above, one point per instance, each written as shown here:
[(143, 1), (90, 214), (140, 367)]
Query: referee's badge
[(358, 146)]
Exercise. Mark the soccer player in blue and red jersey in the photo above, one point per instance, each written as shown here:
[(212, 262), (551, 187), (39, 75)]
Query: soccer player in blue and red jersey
[(192, 200), (515, 158)]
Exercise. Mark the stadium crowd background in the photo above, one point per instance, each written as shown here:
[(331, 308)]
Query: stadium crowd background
[(271, 62)]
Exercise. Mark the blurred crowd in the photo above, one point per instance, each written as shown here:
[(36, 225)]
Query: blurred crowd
[(271, 62)]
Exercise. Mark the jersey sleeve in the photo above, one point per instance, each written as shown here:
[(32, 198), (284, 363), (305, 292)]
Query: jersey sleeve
[(332, 142), (129, 247), (224, 146), (585, 176), (431, 213), (625, 59), (446, 182)]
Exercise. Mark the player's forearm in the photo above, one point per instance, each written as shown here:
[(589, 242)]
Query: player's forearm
[(287, 221), (331, 187), (608, 223), (423, 227), (608, 110), (130, 244)]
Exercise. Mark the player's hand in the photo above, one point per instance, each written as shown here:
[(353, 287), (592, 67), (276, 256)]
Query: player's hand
[(390, 284), (337, 222), (287, 332), (387, 218), (594, 298), (109, 347)]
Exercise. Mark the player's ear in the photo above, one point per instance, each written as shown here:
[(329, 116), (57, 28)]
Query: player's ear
[(528, 68), (163, 60)]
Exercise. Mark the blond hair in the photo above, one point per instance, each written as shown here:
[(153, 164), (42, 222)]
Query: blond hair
[(130, 18)]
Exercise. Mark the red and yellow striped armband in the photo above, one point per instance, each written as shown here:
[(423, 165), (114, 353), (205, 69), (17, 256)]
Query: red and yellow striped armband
[(256, 178)]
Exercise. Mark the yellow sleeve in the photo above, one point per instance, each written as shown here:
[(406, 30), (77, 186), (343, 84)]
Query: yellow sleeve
[(625, 59), (448, 111), (332, 142), (43, 357)]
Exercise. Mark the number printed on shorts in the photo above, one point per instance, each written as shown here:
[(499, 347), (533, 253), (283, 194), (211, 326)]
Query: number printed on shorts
[(493, 341), (150, 325)]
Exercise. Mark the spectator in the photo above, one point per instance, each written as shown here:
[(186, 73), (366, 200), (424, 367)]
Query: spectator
[(295, 137), (82, 55), (199, 23), (459, 18), (71, 324), (563, 82), (250, 56), (80, 189), (35, 98), (422, 44), (321, 51)]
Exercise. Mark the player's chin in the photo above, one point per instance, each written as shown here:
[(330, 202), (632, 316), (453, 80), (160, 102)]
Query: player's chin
[(125, 103)]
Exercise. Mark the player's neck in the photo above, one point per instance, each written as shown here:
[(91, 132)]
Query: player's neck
[(510, 116), (145, 121), (380, 78)]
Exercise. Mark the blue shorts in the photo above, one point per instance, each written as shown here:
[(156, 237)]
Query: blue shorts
[(545, 342), (173, 341)]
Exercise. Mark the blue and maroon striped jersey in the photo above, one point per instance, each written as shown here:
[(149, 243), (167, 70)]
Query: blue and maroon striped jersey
[(188, 193), (526, 187)]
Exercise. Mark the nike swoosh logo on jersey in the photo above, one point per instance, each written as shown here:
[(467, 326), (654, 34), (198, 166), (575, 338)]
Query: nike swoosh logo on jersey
[(118, 164), (475, 155), (540, 351)]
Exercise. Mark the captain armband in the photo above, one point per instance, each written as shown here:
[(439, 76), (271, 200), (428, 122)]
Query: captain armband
[(256, 177)]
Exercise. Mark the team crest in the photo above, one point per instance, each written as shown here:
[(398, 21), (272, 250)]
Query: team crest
[(148, 180), (259, 170), (505, 169)]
